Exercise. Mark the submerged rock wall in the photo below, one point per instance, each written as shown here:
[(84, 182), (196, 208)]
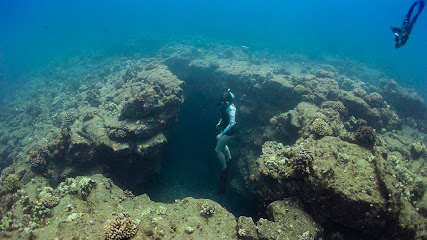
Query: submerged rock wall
[(111, 128)]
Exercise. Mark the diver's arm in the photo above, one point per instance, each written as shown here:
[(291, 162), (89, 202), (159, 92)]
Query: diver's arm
[(231, 111), (219, 123)]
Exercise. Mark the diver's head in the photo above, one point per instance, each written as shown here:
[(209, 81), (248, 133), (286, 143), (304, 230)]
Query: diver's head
[(226, 97)]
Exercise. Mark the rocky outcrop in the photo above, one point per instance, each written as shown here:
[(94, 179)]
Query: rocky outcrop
[(405, 101), (125, 128), (287, 220), (318, 172), (92, 217), (325, 160)]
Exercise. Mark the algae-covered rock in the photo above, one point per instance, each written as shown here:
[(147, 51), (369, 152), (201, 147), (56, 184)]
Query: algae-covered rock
[(418, 149), (327, 179), (81, 186), (287, 220), (296, 222), (108, 213), (246, 228)]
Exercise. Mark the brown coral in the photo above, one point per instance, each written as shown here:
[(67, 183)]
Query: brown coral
[(359, 92), (365, 136), (337, 105), (49, 201), (119, 134), (38, 162), (119, 83), (120, 227), (11, 182), (88, 114), (67, 118), (324, 74), (6, 172), (375, 100), (304, 161)]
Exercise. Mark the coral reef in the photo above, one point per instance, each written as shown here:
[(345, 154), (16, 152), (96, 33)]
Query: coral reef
[(107, 213), (304, 134), (110, 125), (326, 187)]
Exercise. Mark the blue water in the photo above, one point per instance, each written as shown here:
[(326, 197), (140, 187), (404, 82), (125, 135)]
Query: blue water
[(34, 33)]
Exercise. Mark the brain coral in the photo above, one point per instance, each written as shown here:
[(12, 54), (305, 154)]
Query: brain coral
[(120, 227), (11, 182), (321, 127)]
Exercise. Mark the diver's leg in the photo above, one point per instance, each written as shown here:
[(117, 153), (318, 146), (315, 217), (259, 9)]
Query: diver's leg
[(408, 15), (420, 9), (226, 152), (219, 151), (414, 19), (407, 20)]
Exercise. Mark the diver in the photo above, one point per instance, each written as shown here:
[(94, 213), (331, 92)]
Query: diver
[(226, 128), (402, 34)]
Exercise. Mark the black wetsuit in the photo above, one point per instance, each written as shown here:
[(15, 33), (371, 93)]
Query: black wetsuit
[(402, 34)]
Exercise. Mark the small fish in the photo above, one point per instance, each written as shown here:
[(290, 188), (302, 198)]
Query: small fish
[(47, 176)]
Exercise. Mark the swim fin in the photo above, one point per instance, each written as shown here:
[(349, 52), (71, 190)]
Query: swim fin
[(396, 31), (223, 181)]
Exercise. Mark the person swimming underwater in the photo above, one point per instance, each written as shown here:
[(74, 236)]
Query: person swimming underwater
[(402, 34), (226, 130)]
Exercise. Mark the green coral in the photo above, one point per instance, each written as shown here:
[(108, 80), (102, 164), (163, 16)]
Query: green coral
[(321, 127), (11, 182)]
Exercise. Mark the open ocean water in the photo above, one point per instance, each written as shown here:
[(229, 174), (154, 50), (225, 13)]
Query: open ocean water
[(34, 33)]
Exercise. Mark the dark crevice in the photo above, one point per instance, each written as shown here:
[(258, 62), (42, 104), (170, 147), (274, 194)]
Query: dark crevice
[(190, 167)]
